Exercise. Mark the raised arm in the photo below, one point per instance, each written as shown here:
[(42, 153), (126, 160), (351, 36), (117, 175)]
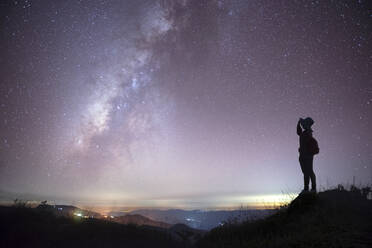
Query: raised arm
[(299, 129)]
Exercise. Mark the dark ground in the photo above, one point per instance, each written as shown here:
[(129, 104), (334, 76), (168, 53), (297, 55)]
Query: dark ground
[(334, 218), (26, 227)]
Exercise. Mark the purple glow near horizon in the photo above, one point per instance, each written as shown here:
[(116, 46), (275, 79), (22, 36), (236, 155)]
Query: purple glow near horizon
[(184, 102)]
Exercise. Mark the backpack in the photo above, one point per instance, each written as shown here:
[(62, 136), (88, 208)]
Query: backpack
[(313, 146)]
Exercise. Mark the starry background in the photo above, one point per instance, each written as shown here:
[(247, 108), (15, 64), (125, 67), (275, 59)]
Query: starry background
[(183, 102)]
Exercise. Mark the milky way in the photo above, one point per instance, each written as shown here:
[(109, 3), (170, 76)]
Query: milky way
[(181, 103)]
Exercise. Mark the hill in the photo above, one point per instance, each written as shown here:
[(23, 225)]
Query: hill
[(179, 232), (27, 227), (140, 220), (68, 211), (186, 234), (199, 219), (334, 218)]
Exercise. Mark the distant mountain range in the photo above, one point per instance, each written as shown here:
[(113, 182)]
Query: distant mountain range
[(68, 210), (139, 220), (198, 219), (179, 232)]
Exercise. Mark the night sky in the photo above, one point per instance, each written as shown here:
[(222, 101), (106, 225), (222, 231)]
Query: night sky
[(181, 103)]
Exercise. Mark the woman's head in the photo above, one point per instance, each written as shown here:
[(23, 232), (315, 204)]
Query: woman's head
[(307, 123)]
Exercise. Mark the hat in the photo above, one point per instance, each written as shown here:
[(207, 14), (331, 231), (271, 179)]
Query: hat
[(307, 123)]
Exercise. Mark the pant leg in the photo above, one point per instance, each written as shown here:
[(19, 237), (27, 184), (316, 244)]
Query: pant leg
[(304, 167), (307, 168), (311, 172)]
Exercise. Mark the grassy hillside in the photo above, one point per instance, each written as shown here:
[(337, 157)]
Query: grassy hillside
[(26, 227), (335, 218)]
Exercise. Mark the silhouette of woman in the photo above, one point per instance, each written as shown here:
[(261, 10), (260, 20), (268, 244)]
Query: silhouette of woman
[(308, 148)]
